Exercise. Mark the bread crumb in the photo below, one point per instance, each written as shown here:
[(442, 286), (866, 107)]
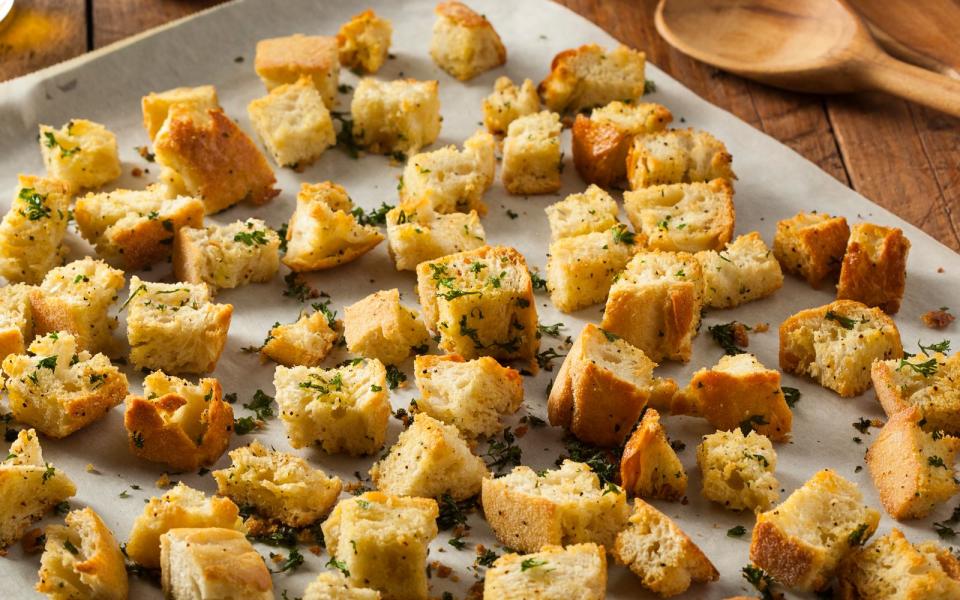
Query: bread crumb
[(164, 481), (761, 327), (33, 541), (937, 319), (92, 469)]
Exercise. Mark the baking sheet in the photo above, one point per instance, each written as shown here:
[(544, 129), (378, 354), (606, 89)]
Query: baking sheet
[(218, 47)]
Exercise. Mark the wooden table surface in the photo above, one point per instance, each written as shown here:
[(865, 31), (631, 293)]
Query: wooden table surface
[(902, 156)]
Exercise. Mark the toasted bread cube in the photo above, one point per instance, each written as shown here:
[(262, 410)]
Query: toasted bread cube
[(305, 342), (745, 270), (16, 319), (177, 423), (323, 233), (227, 256), (393, 117), (481, 303), (293, 123), (802, 541), (29, 487), (75, 298), (334, 585), (811, 245), (378, 326), (683, 217), (82, 560), (602, 140), (417, 233), (528, 511), (156, 106), (655, 304), (912, 469), (374, 529), (650, 467), (507, 103), (429, 460), (211, 158), (555, 573), (32, 231), (578, 214), (901, 384), (59, 388), (591, 76), (278, 485), (363, 42), (836, 344), (677, 156), (81, 153), (342, 410), (581, 269), (874, 269), (738, 470), (603, 387), (892, 567), (531, 154), (181, 507), (464, 43), (737, 392), (212, 562), (287, 59), (175, 327), (660, 554), (136, 227), (451, 180), (471, 394)]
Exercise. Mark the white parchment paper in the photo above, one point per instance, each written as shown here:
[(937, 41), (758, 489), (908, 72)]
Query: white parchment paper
[(218, 47)]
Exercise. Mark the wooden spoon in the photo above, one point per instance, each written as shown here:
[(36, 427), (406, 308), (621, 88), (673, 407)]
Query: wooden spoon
[(808, 46)]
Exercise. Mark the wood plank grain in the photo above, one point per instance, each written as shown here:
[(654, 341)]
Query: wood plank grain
[(114, 20), (39, 33)]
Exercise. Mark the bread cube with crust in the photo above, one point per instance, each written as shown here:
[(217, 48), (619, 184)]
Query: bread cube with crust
[(16, 319), (837, 344), (416, 233), (655, 304), (677, 156), (212, 562), (650, 467), (472, 394), (507, 103), (156, 106), (602, 388), (660, 554), (481, 303), (227, 256), (450, 180), (802, 541), (591, 76), (874, 268), (811, 245), (305, 342), (32, 231), (602, 140), (737, 392), (363, 42), (59, 388), (581, 269), (323, 233), (378, 326), (932, 387), (912, 470), (341, 410), (683, 217), (82, 560), (208, 156), (372, 530), (578, 214), (75, 299), (745, 270), (334, 585), (293, 123), (464, 43), (136, 228), (554, 573), (29, 487), (531, 154), (286, 59), (279, 485), (81, 153), (395, 117), (737, 470), (528, 511)]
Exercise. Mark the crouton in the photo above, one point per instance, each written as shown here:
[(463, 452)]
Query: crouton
[(212, 562), (378, 326), (737, 470), (394, 117), (578, 214), (933, 387), (677, 156), (287, 59), (305, 342), (581, 269), (334, 585), (293, 123), (744, 271), (464, 43), (451, 180), (81, 153), (591, 76), (507, 103), (32, 231), (363, 42), (227, 256), (16, 319), (82, 560), (650, 467), (811, 245), (156, 106), (874, 268), (532, 159), (683, 217), (417, 233), (554, 573)]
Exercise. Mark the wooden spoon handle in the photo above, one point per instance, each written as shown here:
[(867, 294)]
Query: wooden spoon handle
[(913, 83)]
